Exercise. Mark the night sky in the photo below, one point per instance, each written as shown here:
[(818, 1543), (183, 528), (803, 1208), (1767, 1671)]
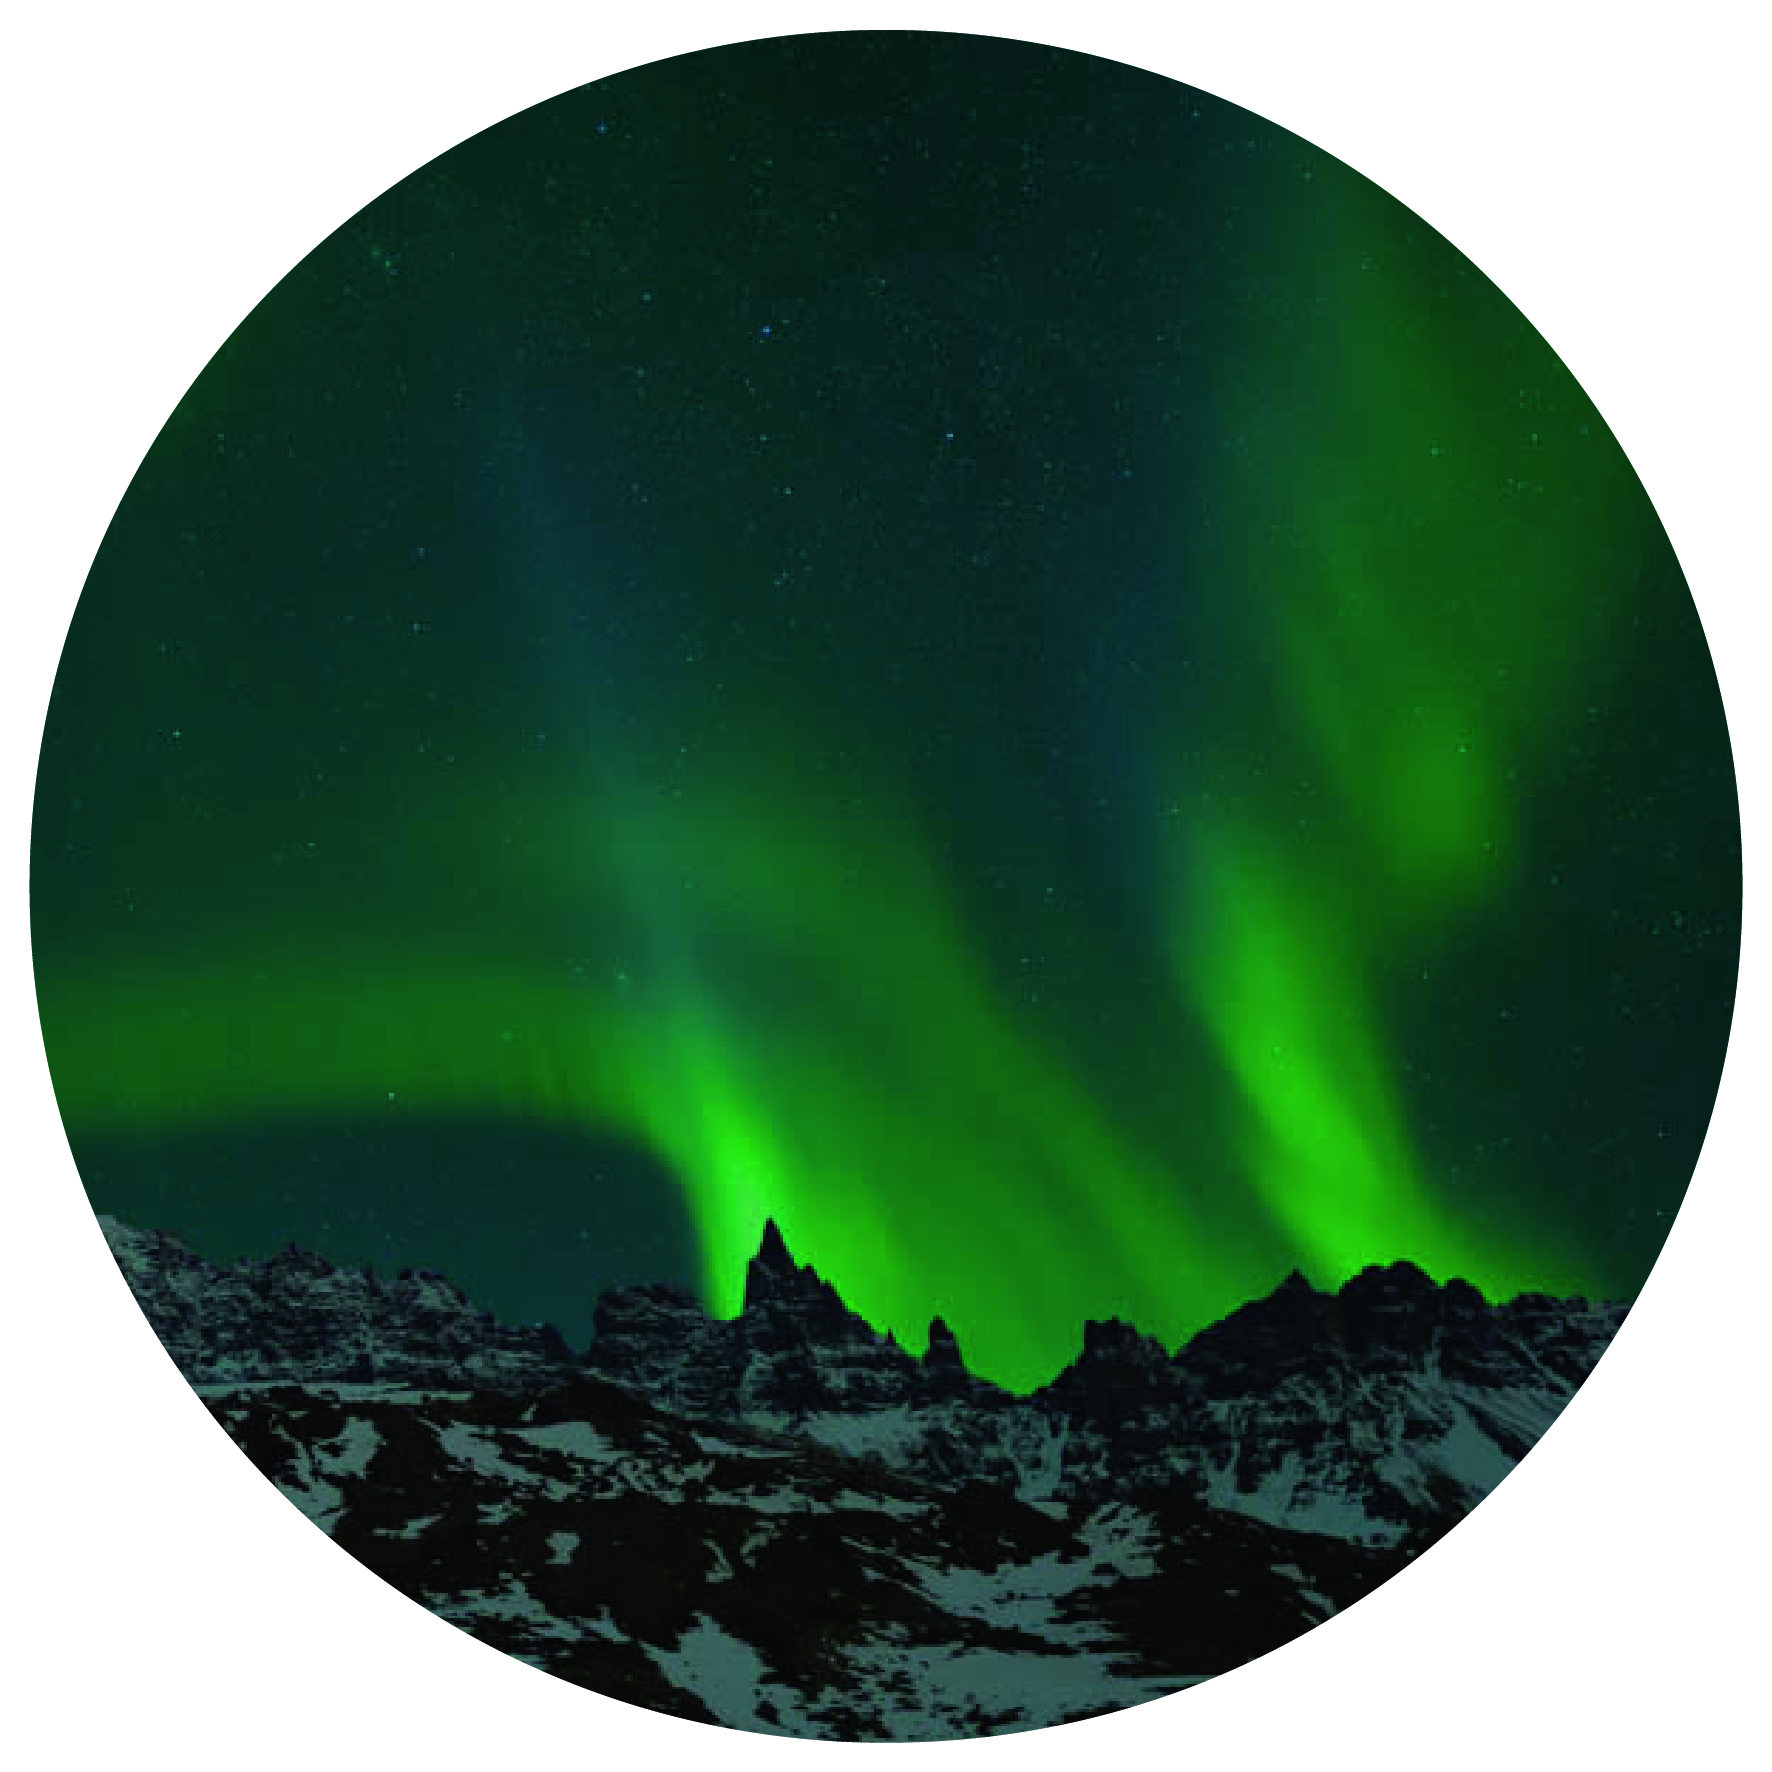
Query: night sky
[(945, 640)]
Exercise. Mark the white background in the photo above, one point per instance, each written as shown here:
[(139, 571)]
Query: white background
[(166, 164)]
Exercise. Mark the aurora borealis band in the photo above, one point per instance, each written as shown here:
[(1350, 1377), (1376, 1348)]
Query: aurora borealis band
[(948, 641)]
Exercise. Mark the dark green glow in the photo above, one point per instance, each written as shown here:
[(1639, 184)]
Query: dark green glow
[(1198, 777), (1429, 619)]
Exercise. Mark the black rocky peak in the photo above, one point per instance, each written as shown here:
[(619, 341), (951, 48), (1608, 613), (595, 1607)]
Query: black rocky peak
[(773, 1254), (1295, 1326), (1294, 1308), (772, 1273), (1462, 1298), (1385, 1316), (1394, 1313), (942, 1376), (774, 1279), (1117, 1340), (1117, 1363), (944, 1349), (1401, 1282)]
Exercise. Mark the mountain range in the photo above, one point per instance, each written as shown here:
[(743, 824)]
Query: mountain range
[(787, 1522)]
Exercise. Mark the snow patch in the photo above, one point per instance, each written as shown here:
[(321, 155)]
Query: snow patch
[(320, 1500), (894, 1505), (1121, 1539), (358, 1444), (464, 1445), (1014, 1596), (1468, 1454), (512, 1604), (935, 1695), (578, 1439), (891, 1434), (730, 1678), (1289, 1496)]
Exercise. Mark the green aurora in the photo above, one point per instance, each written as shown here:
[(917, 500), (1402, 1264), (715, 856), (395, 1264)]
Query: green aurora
[(1133, 734)]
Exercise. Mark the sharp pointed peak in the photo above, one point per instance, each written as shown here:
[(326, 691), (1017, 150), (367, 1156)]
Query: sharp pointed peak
[(943, 1353), (773, 1272), (773, 1253)]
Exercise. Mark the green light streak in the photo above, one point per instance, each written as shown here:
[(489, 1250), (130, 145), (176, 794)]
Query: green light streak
[(787, 1009), (1416, 609), (1282, 982)]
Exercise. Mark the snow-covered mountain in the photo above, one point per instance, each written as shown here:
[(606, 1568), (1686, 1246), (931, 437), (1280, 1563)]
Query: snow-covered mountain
[(1384, 1412), (787, 1522)]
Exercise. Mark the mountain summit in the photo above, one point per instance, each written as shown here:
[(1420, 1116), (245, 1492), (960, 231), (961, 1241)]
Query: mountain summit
[(773, 1276)]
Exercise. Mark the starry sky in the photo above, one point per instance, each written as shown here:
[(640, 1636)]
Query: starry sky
[(949, 641)]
